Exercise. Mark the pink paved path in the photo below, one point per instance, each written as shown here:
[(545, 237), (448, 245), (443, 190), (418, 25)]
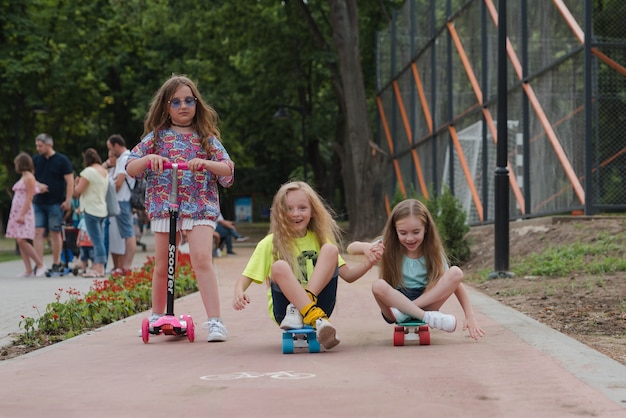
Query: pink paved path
[(520, 369)]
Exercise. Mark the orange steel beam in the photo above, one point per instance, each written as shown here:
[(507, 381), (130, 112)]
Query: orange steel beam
[(558, 123), (409, 136), (620, 69), (387, 205), (422, 95), (563, 190), (541, 115), (610, 159), (466, 62), (488, 118), (468, 175), (396, 167), (580, 34)]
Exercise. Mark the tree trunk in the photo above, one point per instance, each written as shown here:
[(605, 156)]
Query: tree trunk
[(363, 164)]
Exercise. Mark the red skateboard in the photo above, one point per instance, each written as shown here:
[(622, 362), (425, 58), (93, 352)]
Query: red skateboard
[(412, 330)]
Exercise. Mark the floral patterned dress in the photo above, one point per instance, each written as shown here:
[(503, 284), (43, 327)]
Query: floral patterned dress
[(15, 229)]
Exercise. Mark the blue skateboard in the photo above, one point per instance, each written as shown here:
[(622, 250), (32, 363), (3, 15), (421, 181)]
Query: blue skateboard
[(412, 330), (60, 273), (300, 338)]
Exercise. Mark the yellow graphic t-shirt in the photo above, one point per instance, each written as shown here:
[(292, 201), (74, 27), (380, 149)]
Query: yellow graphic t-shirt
[(260, 264)]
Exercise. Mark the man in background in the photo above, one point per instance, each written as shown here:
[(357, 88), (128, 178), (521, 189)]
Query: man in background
[(55, 171), (123, 185)]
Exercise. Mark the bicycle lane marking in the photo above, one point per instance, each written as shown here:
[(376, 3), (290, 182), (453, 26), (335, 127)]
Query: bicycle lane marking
[(286, 375)]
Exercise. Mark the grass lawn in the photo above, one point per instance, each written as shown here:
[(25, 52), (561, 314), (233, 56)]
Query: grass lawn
[(7, 250)]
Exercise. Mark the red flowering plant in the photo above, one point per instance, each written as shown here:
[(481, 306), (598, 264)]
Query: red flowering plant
[(109, 300)]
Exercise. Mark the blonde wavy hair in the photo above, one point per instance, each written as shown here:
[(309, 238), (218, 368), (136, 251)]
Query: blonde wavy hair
[(204, 122), (432, 247), (322, 223)]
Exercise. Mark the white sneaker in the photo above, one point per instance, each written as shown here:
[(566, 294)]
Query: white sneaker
[(439, 320), (292, 319), (218, 253), (242, 239), (399, 316), (39, 272), (217, 330), (326, 333)]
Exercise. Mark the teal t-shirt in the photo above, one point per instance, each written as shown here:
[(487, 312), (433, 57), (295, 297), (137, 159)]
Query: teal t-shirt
[(414, 274)]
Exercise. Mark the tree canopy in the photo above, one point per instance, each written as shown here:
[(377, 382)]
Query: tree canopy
[(82, 70)]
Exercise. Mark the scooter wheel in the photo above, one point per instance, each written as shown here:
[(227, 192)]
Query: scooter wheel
[(191, 333), (145, 330)]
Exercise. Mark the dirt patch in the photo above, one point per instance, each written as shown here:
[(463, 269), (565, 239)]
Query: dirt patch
[(590, 308)]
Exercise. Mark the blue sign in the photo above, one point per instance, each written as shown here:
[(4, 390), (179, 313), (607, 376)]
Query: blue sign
[(243, 209)]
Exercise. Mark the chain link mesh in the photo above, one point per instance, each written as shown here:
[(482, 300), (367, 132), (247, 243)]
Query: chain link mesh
[(437, 81)]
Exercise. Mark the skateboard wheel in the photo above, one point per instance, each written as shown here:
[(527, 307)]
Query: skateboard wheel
[(424, 335), (314, 345), (398, 336), (145, 330), (287, 343)]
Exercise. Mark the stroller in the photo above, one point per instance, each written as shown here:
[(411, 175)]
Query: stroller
[(69, 251)]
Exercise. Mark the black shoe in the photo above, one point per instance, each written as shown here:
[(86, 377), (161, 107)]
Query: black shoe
[(57, 268), (232, 253)]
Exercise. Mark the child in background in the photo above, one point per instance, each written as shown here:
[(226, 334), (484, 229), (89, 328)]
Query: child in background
[(85, 247), (181, 128), (415, 277), (21, 224), (300, 263)]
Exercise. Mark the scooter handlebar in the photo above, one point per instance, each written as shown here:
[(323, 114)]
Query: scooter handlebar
[(180, 166)]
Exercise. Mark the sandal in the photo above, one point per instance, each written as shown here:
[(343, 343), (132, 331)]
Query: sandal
[(92, 274)]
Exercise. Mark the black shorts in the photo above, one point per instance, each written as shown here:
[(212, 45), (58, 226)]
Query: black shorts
[(325, 300)]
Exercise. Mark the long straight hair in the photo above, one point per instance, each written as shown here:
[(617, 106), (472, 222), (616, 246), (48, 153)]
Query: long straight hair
[(432, 247)]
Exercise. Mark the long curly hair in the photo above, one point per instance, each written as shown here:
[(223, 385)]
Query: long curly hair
[(432, 247), (204, 122), (322, 223)]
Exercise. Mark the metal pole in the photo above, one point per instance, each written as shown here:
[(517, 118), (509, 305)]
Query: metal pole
[(501, 199), (588, 92)]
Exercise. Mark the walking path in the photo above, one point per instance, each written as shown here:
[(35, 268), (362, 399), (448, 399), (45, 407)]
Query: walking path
[(521, 368)]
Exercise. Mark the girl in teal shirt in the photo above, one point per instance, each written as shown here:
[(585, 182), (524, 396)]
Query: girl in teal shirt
[(415, 279)]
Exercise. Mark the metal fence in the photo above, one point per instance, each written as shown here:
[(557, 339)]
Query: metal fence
[(437, 104)]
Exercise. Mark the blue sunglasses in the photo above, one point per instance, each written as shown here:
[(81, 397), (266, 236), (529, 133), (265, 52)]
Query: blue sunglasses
[(189, 102)]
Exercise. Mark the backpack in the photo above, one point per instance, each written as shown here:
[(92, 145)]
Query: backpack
[(138, 194)]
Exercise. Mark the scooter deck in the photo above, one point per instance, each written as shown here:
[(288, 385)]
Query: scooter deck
[(169, 325)]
